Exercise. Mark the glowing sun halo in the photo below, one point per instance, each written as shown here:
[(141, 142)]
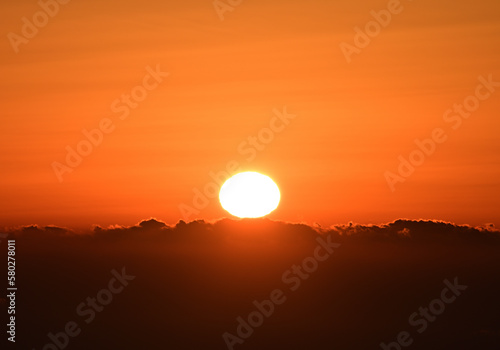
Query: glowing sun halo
[(249, 195)]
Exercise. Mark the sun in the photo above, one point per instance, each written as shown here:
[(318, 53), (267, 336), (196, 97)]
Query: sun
[(249, 195)]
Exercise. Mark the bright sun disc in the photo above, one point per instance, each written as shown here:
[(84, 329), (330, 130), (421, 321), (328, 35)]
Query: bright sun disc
[(249, 195)]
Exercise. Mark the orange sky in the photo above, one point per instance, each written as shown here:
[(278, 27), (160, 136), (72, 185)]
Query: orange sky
[(352, 120)]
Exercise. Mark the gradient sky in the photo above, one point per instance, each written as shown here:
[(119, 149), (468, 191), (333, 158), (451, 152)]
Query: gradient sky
[(353, 120)]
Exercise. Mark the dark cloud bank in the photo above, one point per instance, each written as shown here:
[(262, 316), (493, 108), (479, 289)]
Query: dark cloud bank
[(193, 280), (402, 230)]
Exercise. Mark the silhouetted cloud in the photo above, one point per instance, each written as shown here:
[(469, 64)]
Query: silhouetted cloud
[(401, 230), (193, 279)]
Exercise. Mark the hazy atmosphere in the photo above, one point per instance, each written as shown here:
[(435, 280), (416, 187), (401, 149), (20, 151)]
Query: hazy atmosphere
[(235, 174)]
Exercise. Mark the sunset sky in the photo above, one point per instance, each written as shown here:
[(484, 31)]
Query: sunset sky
[(227, 81)]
